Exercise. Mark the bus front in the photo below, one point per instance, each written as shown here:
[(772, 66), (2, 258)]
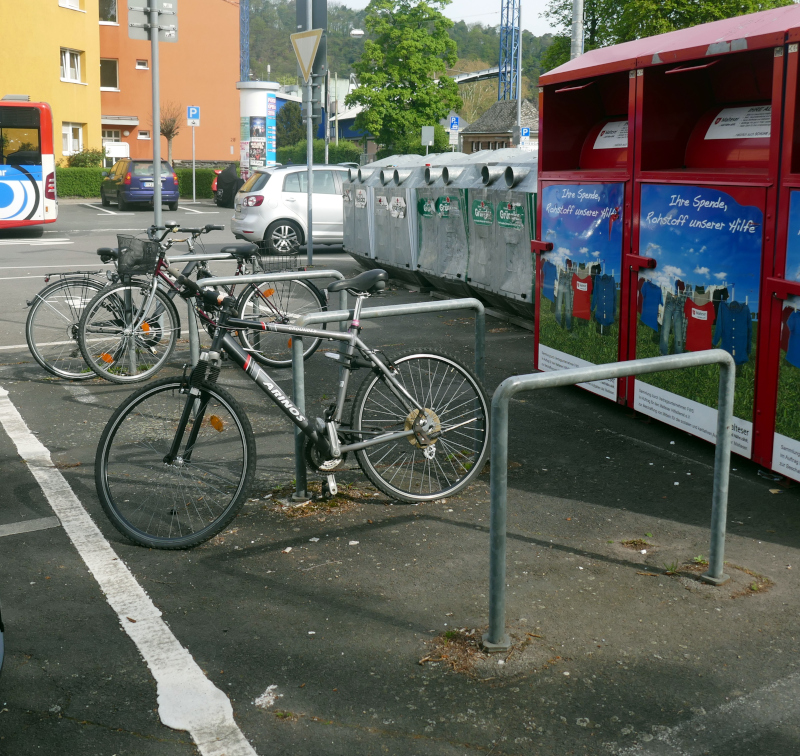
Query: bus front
[(27, 164)]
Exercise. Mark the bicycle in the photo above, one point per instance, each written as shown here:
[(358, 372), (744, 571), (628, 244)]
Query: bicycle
[(128, 331), (175, 460)]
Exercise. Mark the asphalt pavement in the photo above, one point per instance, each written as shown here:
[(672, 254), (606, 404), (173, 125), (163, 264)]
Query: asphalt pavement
[(349, 627)]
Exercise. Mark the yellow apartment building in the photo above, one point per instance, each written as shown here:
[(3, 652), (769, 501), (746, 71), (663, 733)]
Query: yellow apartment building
[(51, 51)]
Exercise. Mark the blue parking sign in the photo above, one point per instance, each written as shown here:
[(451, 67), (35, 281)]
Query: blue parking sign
[(525, 131), (193, 115), (453, 123)]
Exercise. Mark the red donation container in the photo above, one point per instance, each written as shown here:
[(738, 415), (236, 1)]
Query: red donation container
[(706, 185)]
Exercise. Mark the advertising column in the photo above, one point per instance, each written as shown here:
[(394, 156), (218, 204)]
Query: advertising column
[(244, 146), (272, 146), (702, 294), (579, 302)]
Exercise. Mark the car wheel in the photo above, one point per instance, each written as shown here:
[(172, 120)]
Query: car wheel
[(284, 237), (173, 206), (123, 205)]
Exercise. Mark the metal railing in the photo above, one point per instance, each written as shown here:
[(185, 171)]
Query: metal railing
[(343, 316), (290, 275), (497, 639)]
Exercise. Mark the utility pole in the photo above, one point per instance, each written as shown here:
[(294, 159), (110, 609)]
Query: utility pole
[(519, 71), (327, 118), (336, 97), (157, 221), (576, 46), (310, 146)]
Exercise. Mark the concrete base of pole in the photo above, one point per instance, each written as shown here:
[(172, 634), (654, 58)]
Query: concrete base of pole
[(495, 648), (706, 578)]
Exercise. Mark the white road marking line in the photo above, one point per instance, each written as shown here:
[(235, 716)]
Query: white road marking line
[(201, 212), (47, 267), (81, 393), (187, 700), (98, 207), (29, 526), (740, 721), (25, 346)]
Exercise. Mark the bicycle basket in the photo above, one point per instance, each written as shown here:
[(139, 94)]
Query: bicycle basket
[(136, 256), (272, 263)]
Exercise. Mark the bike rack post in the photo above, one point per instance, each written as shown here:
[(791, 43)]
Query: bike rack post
[(342, 317), (497, 639)]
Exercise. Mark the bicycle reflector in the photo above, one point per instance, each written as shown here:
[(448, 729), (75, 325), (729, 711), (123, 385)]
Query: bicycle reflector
[(216, 423), (106, 357)]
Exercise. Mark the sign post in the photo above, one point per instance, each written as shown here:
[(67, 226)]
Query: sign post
[(305, 46), (193, 120), (144, 23), (427, 137), (454, 131)]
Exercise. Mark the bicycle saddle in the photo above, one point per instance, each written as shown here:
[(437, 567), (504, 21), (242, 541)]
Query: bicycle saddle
[(367, 281), (108, 253), (241, 251)]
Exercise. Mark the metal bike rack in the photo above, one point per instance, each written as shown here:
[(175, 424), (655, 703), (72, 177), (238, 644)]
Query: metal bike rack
[(342, 317), (293, 275), (497, 639)]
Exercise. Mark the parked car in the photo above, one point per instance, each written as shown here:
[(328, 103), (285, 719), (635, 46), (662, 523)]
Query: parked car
[(131, 181), (272, 205)]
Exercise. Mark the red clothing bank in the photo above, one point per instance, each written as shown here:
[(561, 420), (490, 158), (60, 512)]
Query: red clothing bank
[(669, 180)]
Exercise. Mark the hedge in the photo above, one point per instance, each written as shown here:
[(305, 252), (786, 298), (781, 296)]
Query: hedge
[(344, 152), (78, 182), (85, 182)]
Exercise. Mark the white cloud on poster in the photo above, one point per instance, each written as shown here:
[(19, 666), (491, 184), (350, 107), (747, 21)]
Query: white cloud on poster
[(701, 271), (596, 254), (721, 276), (583, 251)]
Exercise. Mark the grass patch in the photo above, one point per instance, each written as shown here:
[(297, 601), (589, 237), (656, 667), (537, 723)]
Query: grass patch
[(787, 418), (459, 649), (636, 543), (583, 341)]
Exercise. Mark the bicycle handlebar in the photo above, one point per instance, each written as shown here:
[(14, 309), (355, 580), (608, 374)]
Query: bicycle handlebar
[(210, 296)]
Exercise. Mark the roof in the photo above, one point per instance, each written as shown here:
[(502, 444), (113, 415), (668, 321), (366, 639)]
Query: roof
[(752, 31), (502, 117)]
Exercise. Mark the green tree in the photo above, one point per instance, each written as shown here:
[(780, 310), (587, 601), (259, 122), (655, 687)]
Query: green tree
[(402, 85), (289, 127), (609, 22)]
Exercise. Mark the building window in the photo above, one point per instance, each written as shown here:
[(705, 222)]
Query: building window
[(142, 64), (111, 135), (70, 65), (143, 134), (71, 138), (108, 74), (74, 4), (108, 11)]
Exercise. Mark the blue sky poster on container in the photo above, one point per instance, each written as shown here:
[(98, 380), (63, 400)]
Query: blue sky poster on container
[(786, 442), (703, 294), (579, 301)]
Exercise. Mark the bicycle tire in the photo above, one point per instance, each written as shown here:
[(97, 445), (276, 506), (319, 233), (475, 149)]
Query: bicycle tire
[(165, 509), (55, 345), (458, 456), (288, 300), (107, 348)]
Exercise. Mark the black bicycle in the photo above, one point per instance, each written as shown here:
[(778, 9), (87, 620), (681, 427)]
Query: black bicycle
[(176, 458)]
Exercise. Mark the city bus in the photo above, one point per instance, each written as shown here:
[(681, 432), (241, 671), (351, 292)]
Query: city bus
[(27, 163)]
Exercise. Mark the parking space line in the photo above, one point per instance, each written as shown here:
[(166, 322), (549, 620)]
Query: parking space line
[(201, 212), (29, 526), (98, 207), (187, 700)]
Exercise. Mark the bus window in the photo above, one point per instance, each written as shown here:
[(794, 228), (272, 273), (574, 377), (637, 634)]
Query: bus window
[(19, 136)]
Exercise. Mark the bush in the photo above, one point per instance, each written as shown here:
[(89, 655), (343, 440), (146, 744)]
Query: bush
[(344, 152), (204, 179), (87, 159), (78, 182)]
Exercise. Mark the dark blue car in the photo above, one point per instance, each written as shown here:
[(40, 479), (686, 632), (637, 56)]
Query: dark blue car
[(131, 181)]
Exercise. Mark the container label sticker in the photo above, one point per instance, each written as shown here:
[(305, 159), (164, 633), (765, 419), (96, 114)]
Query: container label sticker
[(482, 213), (381, 203), (443, 207), (397, 207), (361, 198), (425, 207), (511, 215), (612, 136), (741, 123)]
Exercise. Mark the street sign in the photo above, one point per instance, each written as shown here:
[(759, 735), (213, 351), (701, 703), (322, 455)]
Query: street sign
[(525, 132), (453, 123), (192, 115), (139, 19), (305, 46), (427, 135), (454, 139)]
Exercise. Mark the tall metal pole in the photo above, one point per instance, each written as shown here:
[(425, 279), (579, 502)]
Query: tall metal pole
[(327, 119), (310, 146), (519, 71), (156, 118), (576, 48), (336, 97), (194, 187)]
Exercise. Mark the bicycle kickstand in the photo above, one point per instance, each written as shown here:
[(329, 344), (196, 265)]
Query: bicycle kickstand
[(330, 488)]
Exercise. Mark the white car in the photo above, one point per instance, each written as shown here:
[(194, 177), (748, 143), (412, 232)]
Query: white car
[(271, 206)]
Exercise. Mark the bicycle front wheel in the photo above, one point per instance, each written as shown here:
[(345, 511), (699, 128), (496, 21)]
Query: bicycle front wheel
[(279, 302), (456, 415), (51, 329), (125, 336), (178, 504)]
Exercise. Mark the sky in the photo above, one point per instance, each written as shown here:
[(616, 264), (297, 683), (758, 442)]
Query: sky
[(477, 12)]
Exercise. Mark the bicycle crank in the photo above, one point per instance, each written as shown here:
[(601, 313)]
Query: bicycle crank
[(319, 464)]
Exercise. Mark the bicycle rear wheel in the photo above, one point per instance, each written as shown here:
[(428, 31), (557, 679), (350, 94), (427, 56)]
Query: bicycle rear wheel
[(279, 302), (51, 328), (184, 503), (125, 340), (457, 410)]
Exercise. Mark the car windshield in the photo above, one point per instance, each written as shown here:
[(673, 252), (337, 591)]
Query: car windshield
[(146, 169), (255, 183)]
